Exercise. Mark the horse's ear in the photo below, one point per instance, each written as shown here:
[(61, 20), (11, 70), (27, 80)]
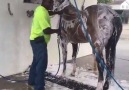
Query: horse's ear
[(82, 8), (83, 5)]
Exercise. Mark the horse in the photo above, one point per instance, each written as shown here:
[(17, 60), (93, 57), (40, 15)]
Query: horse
[(104, 26)]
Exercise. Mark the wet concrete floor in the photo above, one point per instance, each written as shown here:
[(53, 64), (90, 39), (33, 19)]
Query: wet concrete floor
[(8, 85)]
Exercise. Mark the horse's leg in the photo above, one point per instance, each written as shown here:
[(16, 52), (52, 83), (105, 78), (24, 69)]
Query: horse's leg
[(100, 69), (100, 78), (94, 64), (64, 53), (110, 61), (75, 47), (111, 51)]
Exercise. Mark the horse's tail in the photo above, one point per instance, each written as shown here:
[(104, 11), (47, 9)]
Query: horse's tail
[(111, 46), (111, 49)]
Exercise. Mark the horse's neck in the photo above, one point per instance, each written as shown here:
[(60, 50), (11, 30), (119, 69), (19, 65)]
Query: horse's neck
[(70, 13), (70, 10)]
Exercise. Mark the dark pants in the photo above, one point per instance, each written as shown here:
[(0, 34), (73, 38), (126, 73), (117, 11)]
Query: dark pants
[(39, 65)]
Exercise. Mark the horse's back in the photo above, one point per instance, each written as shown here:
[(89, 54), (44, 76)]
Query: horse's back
[(101, 9), (100, 23)]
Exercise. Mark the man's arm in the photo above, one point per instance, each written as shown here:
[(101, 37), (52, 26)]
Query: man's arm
[(54, 12), (50, 31)]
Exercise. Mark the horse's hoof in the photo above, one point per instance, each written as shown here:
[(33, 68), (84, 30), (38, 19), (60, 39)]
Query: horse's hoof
[(73, 75), (106, 86), (95, 72), (62, 75), (100, 85)]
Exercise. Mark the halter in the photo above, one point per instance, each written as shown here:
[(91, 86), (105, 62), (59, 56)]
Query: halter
[(63, 4)]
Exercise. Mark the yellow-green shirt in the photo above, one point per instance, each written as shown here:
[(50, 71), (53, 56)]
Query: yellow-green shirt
[(40, 22)]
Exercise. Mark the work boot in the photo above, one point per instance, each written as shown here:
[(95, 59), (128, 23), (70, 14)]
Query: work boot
[(29, 87)]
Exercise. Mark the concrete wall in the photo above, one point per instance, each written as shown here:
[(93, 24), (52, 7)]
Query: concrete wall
[(115, 7), (87, 2), (125, 5), (15, 50)]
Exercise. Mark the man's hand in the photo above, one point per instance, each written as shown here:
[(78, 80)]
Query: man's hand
[(55, 12), (50, 31), (60, 12)]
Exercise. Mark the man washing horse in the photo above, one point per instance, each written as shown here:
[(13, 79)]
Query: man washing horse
[(39, 38)]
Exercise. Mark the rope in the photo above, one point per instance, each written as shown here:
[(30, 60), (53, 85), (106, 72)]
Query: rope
[(58, 41)]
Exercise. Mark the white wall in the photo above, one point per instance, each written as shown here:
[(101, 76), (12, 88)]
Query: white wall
[(115, 7), (87, 2), (15, 50), (125, 5)]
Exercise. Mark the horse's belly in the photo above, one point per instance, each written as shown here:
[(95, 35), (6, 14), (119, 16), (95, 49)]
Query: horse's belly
[(73, 31), (77, 37), (77, 41)]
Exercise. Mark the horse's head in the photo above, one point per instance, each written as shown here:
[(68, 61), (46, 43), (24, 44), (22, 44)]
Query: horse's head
[(60, 4)]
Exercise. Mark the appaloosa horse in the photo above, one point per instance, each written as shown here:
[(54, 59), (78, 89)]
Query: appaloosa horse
[(104, 27)]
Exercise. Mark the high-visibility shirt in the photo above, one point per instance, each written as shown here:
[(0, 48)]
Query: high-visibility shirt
[(41, 21)]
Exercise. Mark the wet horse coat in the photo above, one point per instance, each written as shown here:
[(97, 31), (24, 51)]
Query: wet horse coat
[(104, 27)]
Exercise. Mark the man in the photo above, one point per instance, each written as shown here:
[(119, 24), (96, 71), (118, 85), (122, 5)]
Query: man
[(40, 36)]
